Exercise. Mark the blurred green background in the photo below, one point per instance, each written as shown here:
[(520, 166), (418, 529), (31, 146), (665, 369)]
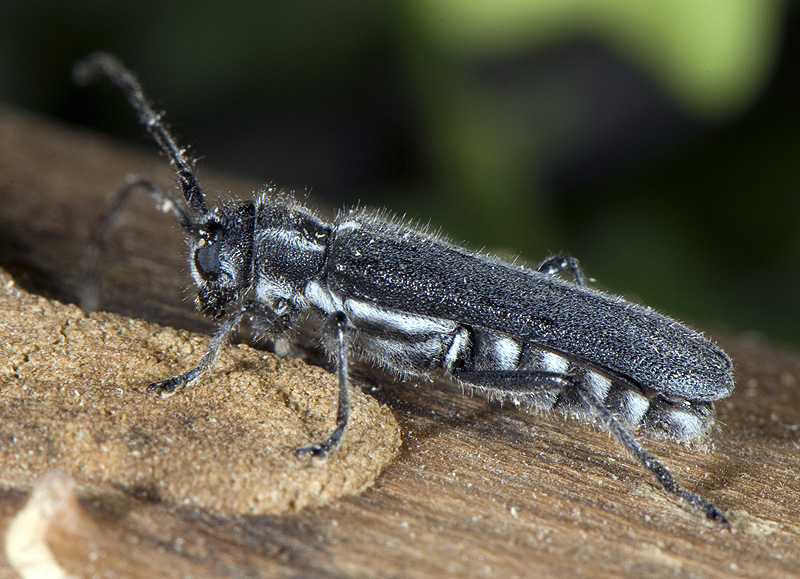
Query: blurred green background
[(657, 142)]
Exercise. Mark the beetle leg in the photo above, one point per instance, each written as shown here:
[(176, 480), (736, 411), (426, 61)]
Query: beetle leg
[(167, 201), (338, 322), (559, 263), (529, 381), (220, 338)]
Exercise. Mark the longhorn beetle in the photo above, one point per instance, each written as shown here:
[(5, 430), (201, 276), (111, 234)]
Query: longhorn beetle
[(414, 304)]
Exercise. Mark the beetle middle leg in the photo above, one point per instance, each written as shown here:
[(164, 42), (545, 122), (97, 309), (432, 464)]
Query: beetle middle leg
[(338, 323)]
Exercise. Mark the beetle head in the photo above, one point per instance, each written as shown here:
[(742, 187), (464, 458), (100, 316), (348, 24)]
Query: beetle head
[(221, 256)]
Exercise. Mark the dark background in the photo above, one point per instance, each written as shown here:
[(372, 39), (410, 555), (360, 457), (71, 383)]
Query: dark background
[(661, 149)]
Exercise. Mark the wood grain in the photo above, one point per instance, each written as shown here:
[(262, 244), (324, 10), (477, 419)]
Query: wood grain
[(477, 491)]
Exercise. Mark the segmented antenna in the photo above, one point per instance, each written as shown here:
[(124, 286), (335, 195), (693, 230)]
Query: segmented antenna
[(103, 65)]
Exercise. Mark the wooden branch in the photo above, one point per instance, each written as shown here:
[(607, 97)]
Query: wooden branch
[(476, 491)]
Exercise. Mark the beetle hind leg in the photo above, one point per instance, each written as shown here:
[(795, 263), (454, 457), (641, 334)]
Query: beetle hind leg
[(555, 265), (526, 382)]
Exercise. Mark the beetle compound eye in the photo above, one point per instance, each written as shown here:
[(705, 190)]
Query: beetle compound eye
[(206, 260)]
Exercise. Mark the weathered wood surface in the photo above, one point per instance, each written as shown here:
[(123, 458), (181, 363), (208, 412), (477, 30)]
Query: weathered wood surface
[(477, 491)]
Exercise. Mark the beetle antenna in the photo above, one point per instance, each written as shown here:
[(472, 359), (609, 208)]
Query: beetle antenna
[(103, 65)]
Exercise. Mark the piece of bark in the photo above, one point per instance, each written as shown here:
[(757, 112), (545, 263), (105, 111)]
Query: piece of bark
[(477, 490)]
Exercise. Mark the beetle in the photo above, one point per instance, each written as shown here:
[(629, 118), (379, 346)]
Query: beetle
[(398, 297)]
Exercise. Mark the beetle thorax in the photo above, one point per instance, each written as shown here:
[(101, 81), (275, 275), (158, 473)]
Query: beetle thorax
[(290, 250)]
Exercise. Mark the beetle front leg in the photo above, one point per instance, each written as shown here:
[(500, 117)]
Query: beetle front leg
[(166, 200), (340, 328), (221, 336)]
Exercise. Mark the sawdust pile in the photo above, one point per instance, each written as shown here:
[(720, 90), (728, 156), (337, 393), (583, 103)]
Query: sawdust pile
[(72, 397)]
